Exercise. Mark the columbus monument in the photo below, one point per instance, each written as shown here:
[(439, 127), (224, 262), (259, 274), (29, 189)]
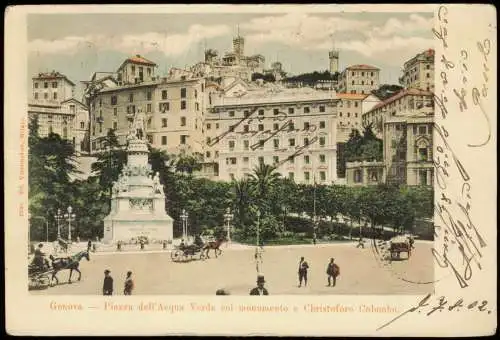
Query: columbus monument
[(138, 199)]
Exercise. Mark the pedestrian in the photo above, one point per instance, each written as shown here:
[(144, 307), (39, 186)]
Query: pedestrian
[(107, 287), (222, 292), (361, 243), (89, 245), (259, 290), (129, 284), (164, 245), (332, 270), (303, 267)]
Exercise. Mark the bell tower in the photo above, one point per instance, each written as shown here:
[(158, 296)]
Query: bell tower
[(334, 61)]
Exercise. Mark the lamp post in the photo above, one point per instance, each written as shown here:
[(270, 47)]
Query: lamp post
[(228, 217), (258, 253), (184, 217), (58, 216), (69, 217)]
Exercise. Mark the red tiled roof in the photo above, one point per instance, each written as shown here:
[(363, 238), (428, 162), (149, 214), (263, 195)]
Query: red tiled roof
[(400, 94), (140, 60), (362, 67)]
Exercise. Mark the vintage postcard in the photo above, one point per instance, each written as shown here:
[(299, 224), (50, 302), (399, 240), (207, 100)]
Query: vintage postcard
[(167, 164)]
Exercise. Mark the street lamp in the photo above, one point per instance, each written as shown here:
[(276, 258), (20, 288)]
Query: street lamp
[(69, 217), (184, 217), (228, 217), (258, 253), (58, 216)]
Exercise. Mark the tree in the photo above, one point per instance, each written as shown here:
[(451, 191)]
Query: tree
[(386, 91), (243, 192), (187, 163), (264, 177)]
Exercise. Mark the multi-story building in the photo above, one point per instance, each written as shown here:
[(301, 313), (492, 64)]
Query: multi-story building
[(293, 129), (349, 115), (405, 102), (58, 111), (418, 72), (359, 79), (173, 108), (408, 149)]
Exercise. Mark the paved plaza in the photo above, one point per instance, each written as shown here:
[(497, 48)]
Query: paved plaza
[(361, 272)]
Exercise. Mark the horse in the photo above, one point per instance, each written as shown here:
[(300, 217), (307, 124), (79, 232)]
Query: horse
[(63, 244), (215, 245), (70, 262)]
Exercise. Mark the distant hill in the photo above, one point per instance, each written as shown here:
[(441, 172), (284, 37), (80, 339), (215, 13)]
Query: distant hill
[(314, 77)]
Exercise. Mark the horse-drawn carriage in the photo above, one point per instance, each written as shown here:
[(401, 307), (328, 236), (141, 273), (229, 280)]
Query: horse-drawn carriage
[(39, 276), (184, 252), (400, 244)]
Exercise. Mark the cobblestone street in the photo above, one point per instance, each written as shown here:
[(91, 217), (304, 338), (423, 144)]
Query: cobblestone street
[(155, 273)]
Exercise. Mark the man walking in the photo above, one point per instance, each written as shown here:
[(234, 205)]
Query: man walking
[(259, 290), (303, 267), (89, 245), (129, 284), (332, 270), (361, 243), (107, 287)]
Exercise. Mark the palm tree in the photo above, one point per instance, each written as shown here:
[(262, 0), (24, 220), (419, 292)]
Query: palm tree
[(244, 193), (264, 177)]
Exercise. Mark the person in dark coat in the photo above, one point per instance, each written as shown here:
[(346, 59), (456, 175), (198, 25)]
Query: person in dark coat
[(303, 267), (89, 245), (332, 270), (107, 287), (222, 291), (129, 284), (259, 290)]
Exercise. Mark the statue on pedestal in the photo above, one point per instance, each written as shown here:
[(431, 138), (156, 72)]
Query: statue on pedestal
[(158, 188), (136, 129)]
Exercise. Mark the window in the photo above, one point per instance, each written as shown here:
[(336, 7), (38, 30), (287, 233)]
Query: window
[(261, 160), (276, 159), (291, 142), (291, 127), (195, 93), (164, 94), (209, 140), (322, 176), (183, 104), (322, 158), (245, 159), (348, 114), (246, 144), (353, 82), (164, 107), (246, 113), (45, 85), (207, 154), (291, 159), (356, 115), (36, 95), (306, 141), (261, 112), (322, 141), (232, 160), (131, 97), (321, 108), (322, 125), (183, 121), (148, 107), (149, 95), (100, 128), (428, 75), (348, 104), (290, 110), (130, 109), (114, 100), (422, 130), (163, 140), (352, 74), (209, 126), (183, 92), (422, 177), (291, 176), (164, 122), (148, 70), (422, 154), (55, 95), (261, 143), (275, 126), (355, 104), (133, 70), (371, 74), (231, 128), (36, 85), (371, 82), (246, 128), (306, 176), (306, 159), (183, 139), (363, 82), (231, 175), (276, 112), (306, 109), (82, 125), (231, 145), (276, 143), (45, 95), (115, 125), (261, 127), (231, 113), (216, 125)]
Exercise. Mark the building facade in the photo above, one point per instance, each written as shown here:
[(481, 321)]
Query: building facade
[(349, 115), (418, 72), (406, 102), (57, 111), (293, 130), (359, 79)]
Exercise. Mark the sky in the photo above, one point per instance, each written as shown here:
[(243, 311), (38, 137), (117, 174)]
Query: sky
[(78, 45)]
